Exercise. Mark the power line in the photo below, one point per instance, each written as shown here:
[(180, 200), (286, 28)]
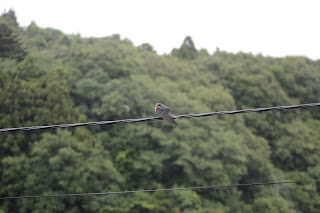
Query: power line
[(159, 190), (158, 118)]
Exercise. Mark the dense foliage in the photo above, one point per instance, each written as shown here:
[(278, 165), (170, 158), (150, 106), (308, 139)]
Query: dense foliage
[(48, 77)]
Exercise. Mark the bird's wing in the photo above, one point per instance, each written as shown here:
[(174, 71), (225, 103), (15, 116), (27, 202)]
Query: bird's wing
[(173, 115), (166, 116)]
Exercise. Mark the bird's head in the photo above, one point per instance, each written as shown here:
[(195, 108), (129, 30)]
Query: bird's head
[(158, 106)]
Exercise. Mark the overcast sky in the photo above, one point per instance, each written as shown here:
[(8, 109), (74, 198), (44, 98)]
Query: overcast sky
[(270, 27)]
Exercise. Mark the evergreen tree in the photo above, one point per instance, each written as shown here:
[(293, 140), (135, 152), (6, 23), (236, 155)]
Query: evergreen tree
[(187, 50), (10, 44)]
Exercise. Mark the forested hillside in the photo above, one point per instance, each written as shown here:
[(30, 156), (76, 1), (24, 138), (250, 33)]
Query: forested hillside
[(48, 77)]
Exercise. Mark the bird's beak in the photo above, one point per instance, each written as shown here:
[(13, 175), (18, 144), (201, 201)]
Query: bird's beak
[(157, 107)]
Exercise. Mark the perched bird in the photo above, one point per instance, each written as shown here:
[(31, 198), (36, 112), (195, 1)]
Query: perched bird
[(165, 112)]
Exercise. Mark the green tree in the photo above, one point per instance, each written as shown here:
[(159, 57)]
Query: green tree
[(61, 164), (67, 79), (11, 19), (34, 96), (10, 44), (187, 50), (298, 147), (272, 204), (146, 46)]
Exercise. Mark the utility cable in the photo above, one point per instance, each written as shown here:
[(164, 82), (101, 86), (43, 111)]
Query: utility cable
[(158, 118), (158, 190)]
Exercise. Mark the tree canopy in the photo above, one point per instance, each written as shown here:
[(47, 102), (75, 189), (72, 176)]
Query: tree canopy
[(48, 77)]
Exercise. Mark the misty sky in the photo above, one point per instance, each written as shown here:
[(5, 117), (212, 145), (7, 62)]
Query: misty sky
[(272, 28)]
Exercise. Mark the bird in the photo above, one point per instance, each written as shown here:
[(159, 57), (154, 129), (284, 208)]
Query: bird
[(165, 112)]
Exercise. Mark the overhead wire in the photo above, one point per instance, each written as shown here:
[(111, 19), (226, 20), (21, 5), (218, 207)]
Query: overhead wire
[(158, 118), (156, 190), (151, 119)]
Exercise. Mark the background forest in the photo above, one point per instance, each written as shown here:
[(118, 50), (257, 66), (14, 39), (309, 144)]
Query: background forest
[(48, 77)]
